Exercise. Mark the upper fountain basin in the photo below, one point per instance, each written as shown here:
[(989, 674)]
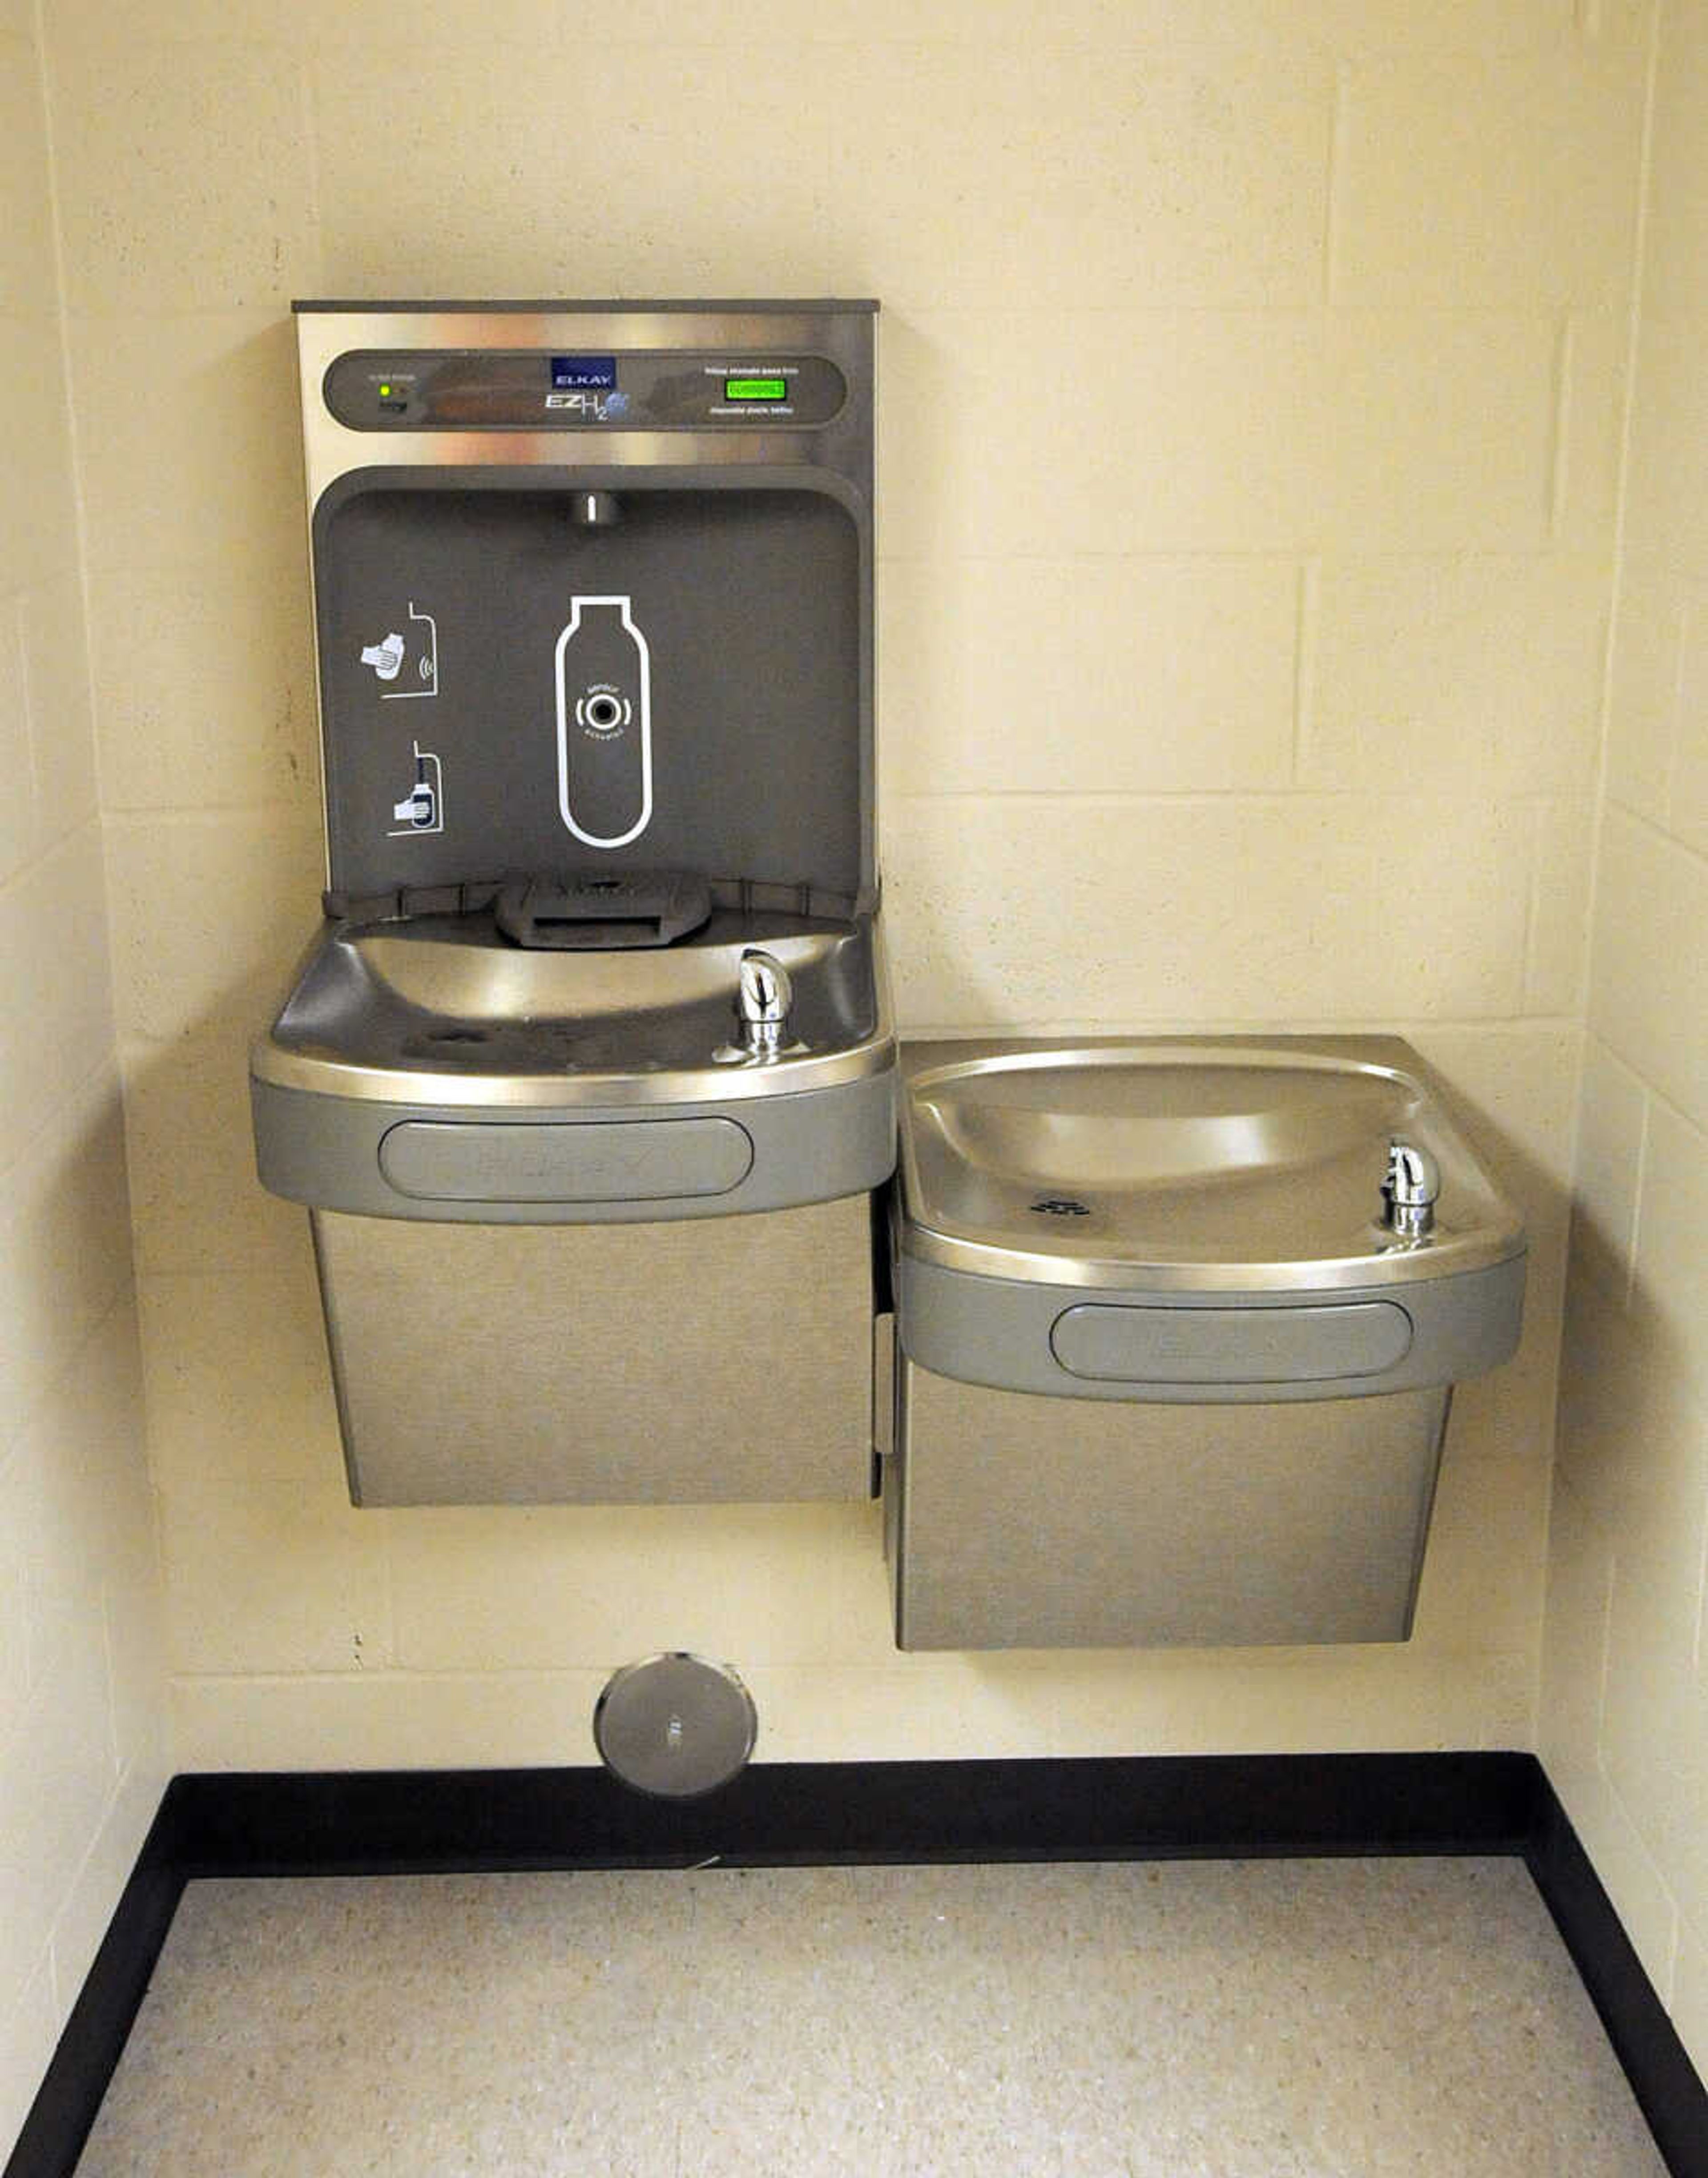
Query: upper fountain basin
[(444, 1009)]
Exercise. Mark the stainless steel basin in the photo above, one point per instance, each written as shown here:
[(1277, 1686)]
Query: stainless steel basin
[(1187, 1166), (561, 1218), (1121, 1218), (1173, 1367), (444, 1008), (432, 1069)]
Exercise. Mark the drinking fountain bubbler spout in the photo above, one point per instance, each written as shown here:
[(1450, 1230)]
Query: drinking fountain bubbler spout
[(763, 996), (1408, 1192)]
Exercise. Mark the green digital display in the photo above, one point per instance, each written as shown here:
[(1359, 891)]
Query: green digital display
[(756, 389)]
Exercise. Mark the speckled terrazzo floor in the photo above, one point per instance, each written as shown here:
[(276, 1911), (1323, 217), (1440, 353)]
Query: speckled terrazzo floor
[(1272, 2019)]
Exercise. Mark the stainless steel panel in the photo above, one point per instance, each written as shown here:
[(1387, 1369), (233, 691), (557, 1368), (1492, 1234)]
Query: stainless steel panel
[(577, 1161), (832, 458), (332, 448), (1019, 1521), (996, 1332), (884, 1384), (324, 1152), (1229, 1345), (656, 1363)]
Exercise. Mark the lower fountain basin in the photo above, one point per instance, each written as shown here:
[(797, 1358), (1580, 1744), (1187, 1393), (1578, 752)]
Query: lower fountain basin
[(1165, 1375), (1203, 1220)]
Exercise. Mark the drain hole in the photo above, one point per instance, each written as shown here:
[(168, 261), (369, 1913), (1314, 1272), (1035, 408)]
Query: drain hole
[(1061, 1206)]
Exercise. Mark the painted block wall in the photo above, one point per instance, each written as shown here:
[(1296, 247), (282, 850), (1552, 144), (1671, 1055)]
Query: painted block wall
[(1247, 500), (1624, 1719), (82, 1677)]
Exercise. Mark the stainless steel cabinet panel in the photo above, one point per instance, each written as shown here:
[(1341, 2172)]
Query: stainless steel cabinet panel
[(675, 1362)]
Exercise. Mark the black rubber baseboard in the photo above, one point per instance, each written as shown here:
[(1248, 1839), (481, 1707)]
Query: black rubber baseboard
[(95, 2032), (1214, 1807), (1669, 2092), (1220, 1806)]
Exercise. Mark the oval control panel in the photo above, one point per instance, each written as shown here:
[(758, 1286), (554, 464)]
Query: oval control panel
[(564, 1161), (1107, 1343)]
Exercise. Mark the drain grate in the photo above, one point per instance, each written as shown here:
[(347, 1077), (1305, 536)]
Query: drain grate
[(1061, 1206)]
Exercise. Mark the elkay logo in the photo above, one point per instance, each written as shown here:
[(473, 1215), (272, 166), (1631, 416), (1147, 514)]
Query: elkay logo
[(583, 374)]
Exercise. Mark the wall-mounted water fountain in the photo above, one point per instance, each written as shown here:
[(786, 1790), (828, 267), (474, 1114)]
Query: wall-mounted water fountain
[(1178, 1329), (587, 1074)]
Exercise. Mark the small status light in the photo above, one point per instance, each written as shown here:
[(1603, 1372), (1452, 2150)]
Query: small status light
[(385, 392)]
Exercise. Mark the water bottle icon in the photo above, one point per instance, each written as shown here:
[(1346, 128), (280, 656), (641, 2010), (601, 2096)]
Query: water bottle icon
[(605, 753)]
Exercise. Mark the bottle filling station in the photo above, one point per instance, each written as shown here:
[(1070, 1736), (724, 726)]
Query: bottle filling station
[(589, 1075)]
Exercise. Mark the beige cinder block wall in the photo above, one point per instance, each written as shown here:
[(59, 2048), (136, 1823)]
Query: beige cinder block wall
[(1624, 1718), (82, 1679), (1251, 389)]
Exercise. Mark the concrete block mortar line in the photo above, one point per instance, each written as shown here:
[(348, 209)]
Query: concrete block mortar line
[(301, 795), (1603, 1663), (1621, 1806), (1689, 614), (74, 482), (28, 871), (403, 1674), (109, 1665), (1191, 555), (308, 106), (1639, 1180), (1161, 797), (1540, 812), (1639, 1846), (1306, 636), (12, 635), (1207, 797), (1621, 515), (1559, 466), (298, 815), (1701, 1613), (78, 1101), (1334, 178), (33, 1980), (64, 1998), (1663, 837), (1667, 1980), (389, 1660), (1410, 1026)]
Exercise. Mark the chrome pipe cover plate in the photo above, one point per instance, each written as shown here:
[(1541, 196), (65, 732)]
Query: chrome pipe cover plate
[(675, 1725)]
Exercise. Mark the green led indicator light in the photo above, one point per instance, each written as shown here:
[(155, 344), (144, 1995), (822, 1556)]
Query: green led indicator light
[(385, 392), (756, 389)]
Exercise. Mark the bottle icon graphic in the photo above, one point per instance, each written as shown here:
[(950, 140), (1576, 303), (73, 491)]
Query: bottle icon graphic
[(603, 670)]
